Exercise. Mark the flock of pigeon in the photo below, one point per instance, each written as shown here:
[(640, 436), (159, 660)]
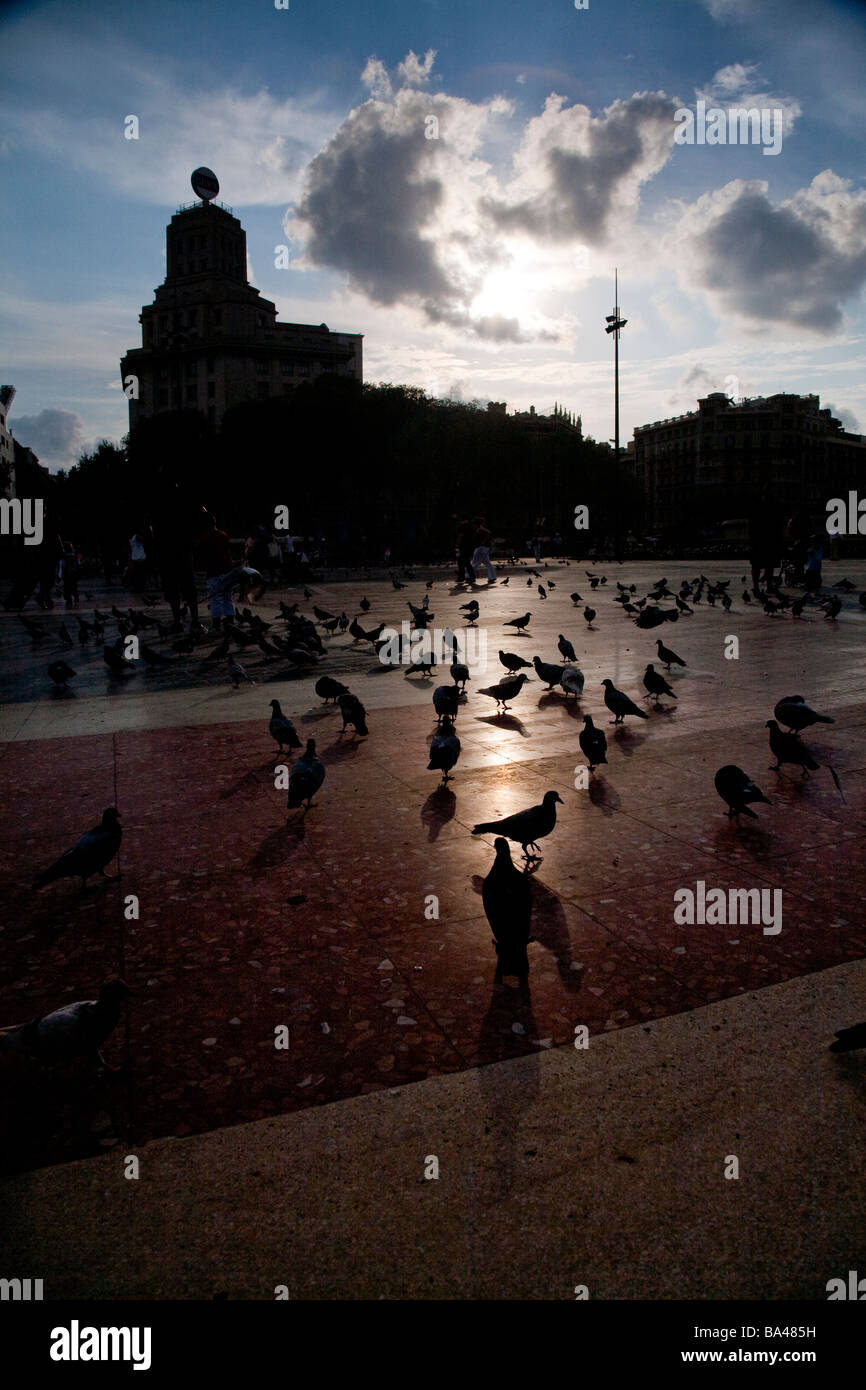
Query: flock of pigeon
[(81, 1028)]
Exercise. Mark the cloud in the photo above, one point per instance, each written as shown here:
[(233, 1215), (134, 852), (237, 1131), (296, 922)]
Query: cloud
[(576, 174), (847, 417), (740, 85), (55, 436), (794, 263), (393, 201), (257, 143)]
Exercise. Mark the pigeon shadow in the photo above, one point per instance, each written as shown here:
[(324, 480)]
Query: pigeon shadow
[(750, 834), (342, 747), (504, 721), (662, 709), (627, 741), (603, 795), (548, 698), (437, 811), (62, 694), (276, 848), (507, 1031), (550, 929), (253, 777)]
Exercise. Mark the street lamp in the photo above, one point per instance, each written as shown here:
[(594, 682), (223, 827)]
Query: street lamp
[(614, 325)]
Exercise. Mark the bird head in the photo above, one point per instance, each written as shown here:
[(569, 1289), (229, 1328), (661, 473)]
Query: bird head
[(275, 706), (111, 816), (608, 684), (771, 724), (553, 796), (500, 844), (587, 719), (114, 990), (311, 748)]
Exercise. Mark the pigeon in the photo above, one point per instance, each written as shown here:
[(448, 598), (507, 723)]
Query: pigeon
[(620, 704), (529, 583), (116, 662), (572, 681), (396, 583), (668, 657), (75, 1030), (459, 672), (445, 702), (505, 581), (307, 592), (683, 606), (787, 748), (518, 623), (545, 672), (576, 599), (329, 689), (833, 607), (364, 605), (593, 743), (281, 728), (747, 597), (845, 585), (353, 713), (737, 789), (238, 674), (60, 673), (65, 636), (656, 684), (795, 714), (89, 855), (849, 1039), (505, 690), (357, 631), (797, 607), (343, 622), (542, 592), (512, 662), (218, 653), (444, 749), (566, 649), (425, 667), (526, 827), (590, 616), (507, 899), (306, 777), (322, 614)]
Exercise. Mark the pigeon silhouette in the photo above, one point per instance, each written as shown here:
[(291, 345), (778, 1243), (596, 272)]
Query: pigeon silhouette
[(666, 656), (445, 702), (566, 649), (520, 624), (620, 704), (656, 684), (795, 714), (572, 681), (512, 662), (850, 1039), (545, 672), (507, 898), (506, 690), (444, 750), (526, 827), (306, 777), (593, 743), (60, 673), (353, 713), (282, 729), (329, 689), (737, 790), (89, 855), (76, 1030)]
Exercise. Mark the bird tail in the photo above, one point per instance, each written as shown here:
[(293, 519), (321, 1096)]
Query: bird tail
[(361, 727), (744, 811), (47, 876), (835, 777), (642, 713)]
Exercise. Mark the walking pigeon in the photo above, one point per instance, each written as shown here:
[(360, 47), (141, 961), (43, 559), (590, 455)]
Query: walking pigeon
[(545, 672), (666, 656), (572, 681), (512, 662), (306, 777), (737, 789), (76, 1030), (656, 684), (620, 704), (505, 690), (519, 624), (444, 749), (353, 713), (593, 743), (526, 827), (566, 649), (795, 714), (89, 855), (60, 673), (329, 689), (282, 729), (445, 702)]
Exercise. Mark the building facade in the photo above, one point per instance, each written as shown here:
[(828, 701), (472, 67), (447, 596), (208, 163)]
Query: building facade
[(699, 469), (209, 339)]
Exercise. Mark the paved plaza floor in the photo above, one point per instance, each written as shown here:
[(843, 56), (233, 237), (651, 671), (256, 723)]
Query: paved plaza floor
[(251, 918)]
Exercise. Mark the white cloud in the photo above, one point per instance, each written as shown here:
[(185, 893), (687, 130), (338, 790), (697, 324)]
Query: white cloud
[(55, 436)]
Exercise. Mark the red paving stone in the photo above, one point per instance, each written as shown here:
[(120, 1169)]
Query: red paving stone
[(250, 919)]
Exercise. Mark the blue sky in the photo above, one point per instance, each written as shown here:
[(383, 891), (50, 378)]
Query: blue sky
[(478, 264)]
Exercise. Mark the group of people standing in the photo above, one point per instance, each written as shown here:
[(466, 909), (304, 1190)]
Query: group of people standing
[(473, 550)]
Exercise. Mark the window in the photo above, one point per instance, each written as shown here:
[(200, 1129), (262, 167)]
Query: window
[(263, 391), (262, 366), (287, 368), (303, 369), (192, 395)]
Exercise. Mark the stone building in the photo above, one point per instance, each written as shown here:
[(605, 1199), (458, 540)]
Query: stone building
[(699, 469), (209, 339)]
